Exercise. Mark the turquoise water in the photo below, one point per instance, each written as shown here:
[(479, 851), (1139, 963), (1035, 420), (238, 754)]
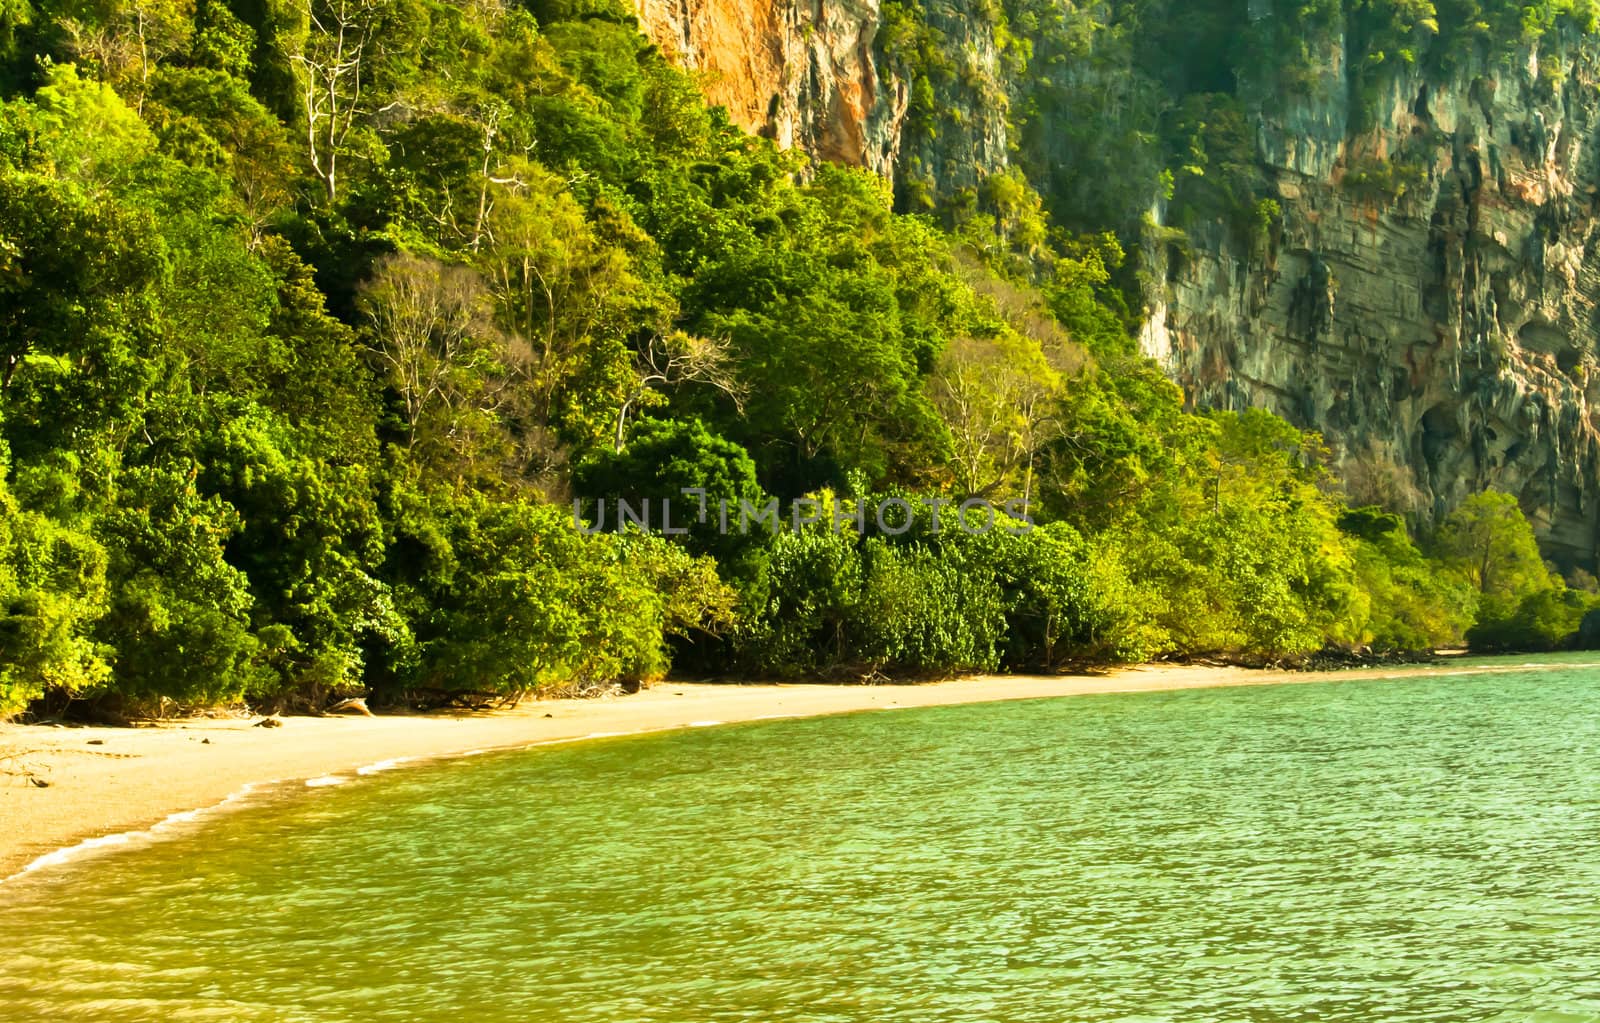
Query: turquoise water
[(1419, 850)]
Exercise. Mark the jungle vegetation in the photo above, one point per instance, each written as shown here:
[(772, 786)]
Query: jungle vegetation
[(314, 322)]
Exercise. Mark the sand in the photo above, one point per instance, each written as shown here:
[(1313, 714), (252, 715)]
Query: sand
[(112, 781)]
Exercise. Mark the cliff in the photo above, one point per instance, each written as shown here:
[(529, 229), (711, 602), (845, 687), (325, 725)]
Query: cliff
[(1420, 293), (800, 72), (816, 74), (1426, 299)]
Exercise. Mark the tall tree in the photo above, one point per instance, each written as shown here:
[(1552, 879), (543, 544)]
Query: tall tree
[(433, 332), (331, 70)]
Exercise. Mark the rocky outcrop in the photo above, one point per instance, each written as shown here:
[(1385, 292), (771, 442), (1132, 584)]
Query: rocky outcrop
[(811, 74), (1429, 299), (802, 72), (960, 131)]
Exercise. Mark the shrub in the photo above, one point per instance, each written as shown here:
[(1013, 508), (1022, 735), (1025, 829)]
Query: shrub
[(1549, 619), (510, 598), (797, 614), (923, 613), (179, 615)]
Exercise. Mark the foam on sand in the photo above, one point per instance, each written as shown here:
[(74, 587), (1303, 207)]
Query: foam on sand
[(139, 836)]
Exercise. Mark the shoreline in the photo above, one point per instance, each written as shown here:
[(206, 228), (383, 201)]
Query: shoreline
[(110, 787)]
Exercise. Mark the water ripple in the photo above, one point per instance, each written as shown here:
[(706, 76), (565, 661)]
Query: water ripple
[(1419, 851)]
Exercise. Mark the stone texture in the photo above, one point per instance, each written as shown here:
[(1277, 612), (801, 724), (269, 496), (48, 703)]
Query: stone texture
[(972, 137), (1443, 341), (802, 72)]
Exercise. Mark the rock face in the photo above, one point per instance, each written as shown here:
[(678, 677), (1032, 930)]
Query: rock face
[(802, 72), (964, 134), (1442, 338), (1427, 298), (811, 73)]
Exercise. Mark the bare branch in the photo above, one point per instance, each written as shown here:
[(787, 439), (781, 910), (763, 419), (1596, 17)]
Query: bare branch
[(676, 359), (329, 70)]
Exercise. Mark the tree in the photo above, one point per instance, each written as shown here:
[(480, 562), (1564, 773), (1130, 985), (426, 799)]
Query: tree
[(1414, 603), (330, 68), (569, 301), (1522, 604), (178, 618), (255, 156), (1491, 543), (326, 392), (52, 590), (998, 397), (78, 278), (683, 463), (311, 542), (672, 361), (128, 40), (509, 599), (432, 330)]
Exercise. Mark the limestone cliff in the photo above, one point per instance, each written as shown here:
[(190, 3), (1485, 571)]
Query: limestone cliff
[(1426, 297), (1429, 298), (812, 74), (958, 131), (802, 72)]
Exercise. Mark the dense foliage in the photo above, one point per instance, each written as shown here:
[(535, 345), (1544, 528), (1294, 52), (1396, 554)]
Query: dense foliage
[(313, 320)]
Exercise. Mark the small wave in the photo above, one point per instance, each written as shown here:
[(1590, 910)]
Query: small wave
[(326, 781), (385, 765), (89, 846)]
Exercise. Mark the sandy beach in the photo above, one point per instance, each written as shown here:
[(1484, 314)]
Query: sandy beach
[(111, 781)]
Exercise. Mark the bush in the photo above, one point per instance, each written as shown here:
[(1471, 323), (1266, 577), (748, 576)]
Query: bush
[(179, 614), (921, 612), (942, 602), (510, 598), (1064, 599), (1547, 620), (797, 614)]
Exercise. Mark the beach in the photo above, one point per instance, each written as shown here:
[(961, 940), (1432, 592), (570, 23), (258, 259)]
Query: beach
[(100, 782)]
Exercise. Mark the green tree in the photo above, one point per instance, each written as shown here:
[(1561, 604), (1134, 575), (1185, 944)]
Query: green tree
[(682, 463), (1521, 605), (1414, 603), (76, 274), (311, 543), (178, 619), (52, 590), (1491, 543)]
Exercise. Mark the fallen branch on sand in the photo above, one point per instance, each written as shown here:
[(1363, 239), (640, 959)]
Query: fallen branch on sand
[(13, 764)]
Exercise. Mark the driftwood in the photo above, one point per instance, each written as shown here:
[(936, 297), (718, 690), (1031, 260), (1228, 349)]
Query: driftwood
[(454, 699)]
